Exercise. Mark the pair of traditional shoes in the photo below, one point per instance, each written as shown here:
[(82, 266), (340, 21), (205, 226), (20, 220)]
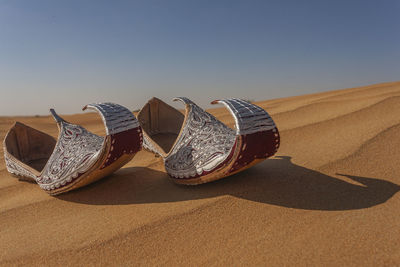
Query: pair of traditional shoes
[(195, 146)]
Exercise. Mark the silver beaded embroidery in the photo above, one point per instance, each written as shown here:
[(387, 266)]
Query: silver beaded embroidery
[(14, 168), (249, 118), (204, 143), (76, 151)]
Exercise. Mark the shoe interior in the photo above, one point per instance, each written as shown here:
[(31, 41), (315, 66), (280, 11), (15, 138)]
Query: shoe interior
[(29, 146), (161, 122)]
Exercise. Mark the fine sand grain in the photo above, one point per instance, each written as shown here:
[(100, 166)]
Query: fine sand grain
[(329, 197)]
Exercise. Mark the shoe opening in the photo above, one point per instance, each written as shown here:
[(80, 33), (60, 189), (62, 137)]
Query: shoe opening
[(161, 122), (30, 146)]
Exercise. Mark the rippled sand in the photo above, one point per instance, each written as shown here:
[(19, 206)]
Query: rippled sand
[(329, 197)]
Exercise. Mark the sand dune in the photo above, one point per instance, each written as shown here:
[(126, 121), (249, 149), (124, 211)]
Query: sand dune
[(329, 197)]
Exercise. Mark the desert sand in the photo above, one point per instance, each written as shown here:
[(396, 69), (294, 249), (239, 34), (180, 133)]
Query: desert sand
[(329, 197)]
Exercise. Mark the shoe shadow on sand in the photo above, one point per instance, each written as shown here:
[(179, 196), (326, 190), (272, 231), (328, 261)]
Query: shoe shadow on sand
[(276, 181)]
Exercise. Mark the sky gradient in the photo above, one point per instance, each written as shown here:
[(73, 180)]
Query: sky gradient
[(65, 54)]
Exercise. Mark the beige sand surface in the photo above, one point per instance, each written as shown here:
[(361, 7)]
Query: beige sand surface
[(328, 198)]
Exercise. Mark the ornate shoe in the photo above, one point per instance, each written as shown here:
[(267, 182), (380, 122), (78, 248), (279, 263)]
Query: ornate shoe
[(197, 148), (78, 157)]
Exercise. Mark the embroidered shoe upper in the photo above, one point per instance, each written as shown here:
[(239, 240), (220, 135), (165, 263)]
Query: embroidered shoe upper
[(203, 144)]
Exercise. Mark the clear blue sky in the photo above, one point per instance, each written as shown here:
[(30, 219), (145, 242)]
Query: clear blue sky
[(65, 54)]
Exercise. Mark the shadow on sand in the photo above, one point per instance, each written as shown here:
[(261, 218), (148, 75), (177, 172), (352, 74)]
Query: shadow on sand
[(275, 181)]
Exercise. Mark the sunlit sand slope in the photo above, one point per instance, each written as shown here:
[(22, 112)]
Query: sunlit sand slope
[(329, 197)]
